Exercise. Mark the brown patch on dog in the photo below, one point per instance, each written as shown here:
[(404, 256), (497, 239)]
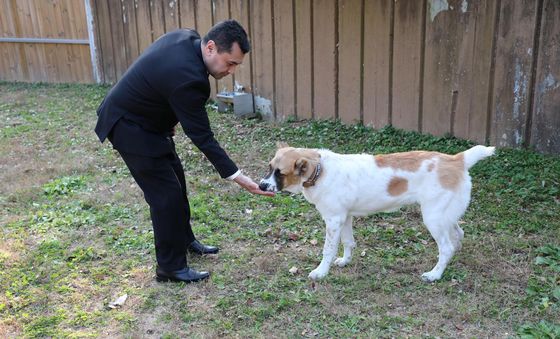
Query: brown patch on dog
[(406, 161), (397, 186), (451, 169)]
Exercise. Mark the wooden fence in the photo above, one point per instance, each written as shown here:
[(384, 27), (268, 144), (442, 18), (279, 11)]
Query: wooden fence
[(44, 41), (485, 70)]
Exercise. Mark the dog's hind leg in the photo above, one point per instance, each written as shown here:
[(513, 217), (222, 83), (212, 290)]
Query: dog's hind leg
[(442, 224), (332, 239), (347, 237)]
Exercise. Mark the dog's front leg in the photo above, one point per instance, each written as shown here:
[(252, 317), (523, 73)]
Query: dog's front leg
[(347, 237), (332, 238)]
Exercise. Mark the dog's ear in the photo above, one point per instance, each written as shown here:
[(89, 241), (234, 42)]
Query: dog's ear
[(281, 144), (300, 166)]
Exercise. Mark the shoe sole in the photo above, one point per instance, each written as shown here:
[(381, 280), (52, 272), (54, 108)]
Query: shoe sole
[(203, 253), (168, 279)]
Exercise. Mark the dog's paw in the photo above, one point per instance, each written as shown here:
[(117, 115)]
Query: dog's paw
[(430, 276), (317, 274), (341, 262)]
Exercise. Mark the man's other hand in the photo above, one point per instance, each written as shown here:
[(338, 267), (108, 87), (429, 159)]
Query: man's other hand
[(248, 184)]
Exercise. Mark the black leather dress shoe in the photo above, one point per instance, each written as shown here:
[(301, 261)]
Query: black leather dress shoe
[(186, 275), (198, 248)]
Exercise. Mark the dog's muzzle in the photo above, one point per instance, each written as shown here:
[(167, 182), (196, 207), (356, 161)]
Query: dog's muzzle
[(268, 184), (263, 186)]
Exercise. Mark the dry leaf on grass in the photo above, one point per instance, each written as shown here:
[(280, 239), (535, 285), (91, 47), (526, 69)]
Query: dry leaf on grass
[(118, 302)]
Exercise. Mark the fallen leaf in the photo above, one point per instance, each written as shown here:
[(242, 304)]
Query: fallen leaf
[(293, 236), (363, 254), (294, 270), (118, 302), (313, 242)]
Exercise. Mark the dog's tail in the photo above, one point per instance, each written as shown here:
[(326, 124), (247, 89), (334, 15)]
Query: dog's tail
[(477, 153)]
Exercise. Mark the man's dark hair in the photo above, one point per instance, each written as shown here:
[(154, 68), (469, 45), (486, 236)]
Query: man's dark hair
[(225, 33)]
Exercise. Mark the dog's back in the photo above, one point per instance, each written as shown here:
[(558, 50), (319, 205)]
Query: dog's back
[(363, 184)]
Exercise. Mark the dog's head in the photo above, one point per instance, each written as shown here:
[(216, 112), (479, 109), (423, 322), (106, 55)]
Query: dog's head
[(290, 168)]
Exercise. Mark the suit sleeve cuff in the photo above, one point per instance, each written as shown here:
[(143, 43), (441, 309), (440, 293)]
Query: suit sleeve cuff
[(234, 175)]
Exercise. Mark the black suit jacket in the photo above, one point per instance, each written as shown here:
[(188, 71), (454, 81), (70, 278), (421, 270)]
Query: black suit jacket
[(167, 84)]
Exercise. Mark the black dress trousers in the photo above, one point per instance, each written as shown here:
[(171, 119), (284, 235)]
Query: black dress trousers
[(162, 180)]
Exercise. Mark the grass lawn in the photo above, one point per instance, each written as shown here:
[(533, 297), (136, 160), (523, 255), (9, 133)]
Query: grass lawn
[(75, 235)]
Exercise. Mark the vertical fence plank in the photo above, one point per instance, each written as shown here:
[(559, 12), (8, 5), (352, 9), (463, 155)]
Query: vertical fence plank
[(27, 54), (204, 15), (407, 55), (11, 53), (76, 13), (130, 31), (59, 26), (445, 40), (349, 55), (158, 18), (119, 42), (284, 59), (376, 55), (324, 60), (221, 12), (455, 82), (48, 54), (187, 11), (79, 9), (106, 48), (303, 65), (171, 15), (545, 133), (240, 12), (95, 18), (7, 22), (303, 83), (263, 78), (513, 72), (204, 20), (10, 67), (143, 25), (475, 60)]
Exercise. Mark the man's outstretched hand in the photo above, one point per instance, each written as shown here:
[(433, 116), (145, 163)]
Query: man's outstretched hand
[(248, 184)]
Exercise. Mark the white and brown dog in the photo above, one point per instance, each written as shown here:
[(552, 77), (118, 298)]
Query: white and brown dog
[(342, 186)]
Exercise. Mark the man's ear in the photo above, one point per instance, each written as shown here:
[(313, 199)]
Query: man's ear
[(300, 167), (281, 144), (211, 47)]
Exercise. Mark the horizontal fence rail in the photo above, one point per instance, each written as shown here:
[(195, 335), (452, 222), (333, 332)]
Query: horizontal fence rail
[(46, 41)]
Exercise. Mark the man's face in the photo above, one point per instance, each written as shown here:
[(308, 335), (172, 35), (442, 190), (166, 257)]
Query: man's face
[(221, 64)]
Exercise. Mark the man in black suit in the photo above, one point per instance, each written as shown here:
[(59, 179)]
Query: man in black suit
[(168, 84)]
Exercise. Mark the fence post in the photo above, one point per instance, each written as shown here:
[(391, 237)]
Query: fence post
[(92, 46)]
